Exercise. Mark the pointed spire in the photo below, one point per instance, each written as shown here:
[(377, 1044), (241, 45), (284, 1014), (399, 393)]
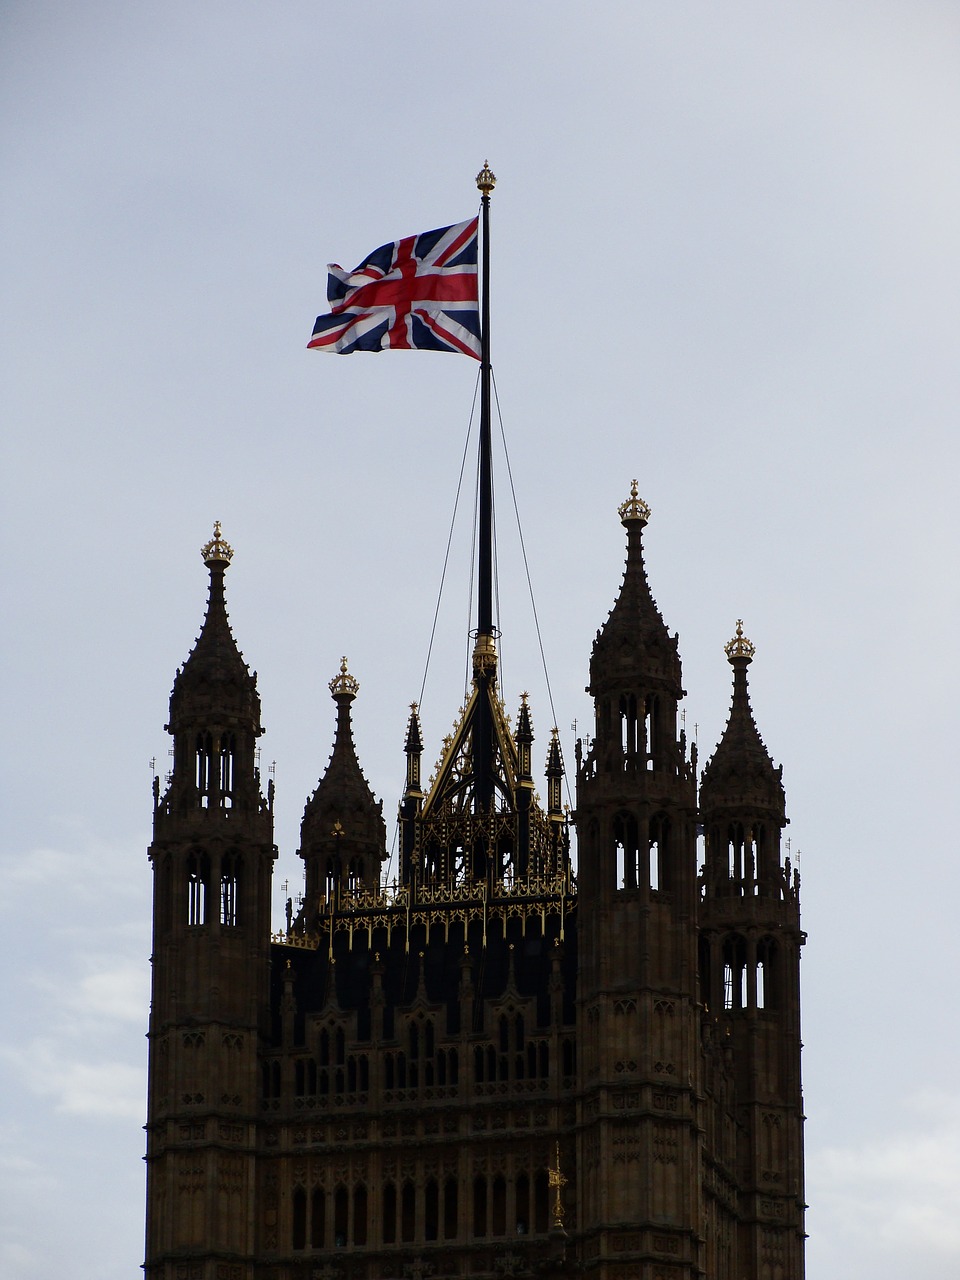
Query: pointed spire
[(215, 684), (741, 773), (634, 639), (343, 807), (523, 737), (524, 732), (554, 774), (414, 742), (413, 748)]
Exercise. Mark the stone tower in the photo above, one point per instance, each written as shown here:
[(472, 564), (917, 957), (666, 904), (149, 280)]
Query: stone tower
[(637, 998), (505, 1061), (750, 941), (212, 856)]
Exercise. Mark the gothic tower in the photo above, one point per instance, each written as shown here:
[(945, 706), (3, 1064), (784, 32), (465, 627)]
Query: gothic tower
[(212, 856), (750, 941), (485, 1065), (639, 1151)]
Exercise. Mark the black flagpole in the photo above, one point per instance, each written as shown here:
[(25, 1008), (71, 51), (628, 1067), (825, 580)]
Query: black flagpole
[(485, 181), (484, 657)]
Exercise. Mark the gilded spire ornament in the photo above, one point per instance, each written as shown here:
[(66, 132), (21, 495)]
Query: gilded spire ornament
[(217, 550), (634, 508), (486, 179), (344, 682), (739, 646)]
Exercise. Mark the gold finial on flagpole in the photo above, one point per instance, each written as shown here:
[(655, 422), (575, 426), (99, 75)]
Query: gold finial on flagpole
[(486, 179)]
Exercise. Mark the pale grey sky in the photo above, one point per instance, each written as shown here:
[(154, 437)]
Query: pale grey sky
[(725, 261)]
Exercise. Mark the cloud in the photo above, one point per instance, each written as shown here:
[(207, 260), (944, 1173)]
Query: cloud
[(107, 1088), (18, 1173), (18, 1260), (121, 991), (893, 1199)]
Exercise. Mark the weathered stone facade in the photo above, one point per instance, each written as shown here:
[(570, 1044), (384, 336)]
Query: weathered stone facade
[(495, 1066)]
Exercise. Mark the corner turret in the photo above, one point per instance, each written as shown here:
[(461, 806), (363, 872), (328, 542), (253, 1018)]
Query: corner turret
[(742, 805), (741, 772), (343, 835), (634, 640), (215, 708)]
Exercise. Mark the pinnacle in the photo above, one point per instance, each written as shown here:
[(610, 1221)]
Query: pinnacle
[(343, 794), (215, 679), (741, 770), (634, 641)]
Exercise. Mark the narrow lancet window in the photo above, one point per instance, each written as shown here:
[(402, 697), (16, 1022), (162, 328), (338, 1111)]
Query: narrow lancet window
[(229, 890), (198, 873), (228, 748)]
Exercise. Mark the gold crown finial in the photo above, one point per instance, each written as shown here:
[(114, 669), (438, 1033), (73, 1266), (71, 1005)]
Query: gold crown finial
[(739, 646), (344, 682), (217, 550), (634, 508), (486, 179)]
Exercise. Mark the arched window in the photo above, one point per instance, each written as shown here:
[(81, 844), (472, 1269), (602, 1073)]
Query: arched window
[(658, 867), (230, 889), (299, 1218), (628, 726), (522, 1192), (431, 1210), (541, 1203), (768, 976), (227, 761), (450, 1214), (389, 1213), (499, 1225), (198, 879), (627, 843), (651, 729), (479, 1206), (735, 860), (360, 1214), (734, 973), (408, 1212), (204, 769), (341, 1210), (569, 1058), (318, 1215)]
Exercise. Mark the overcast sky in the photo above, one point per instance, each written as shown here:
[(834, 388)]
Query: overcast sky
[(726, 262)]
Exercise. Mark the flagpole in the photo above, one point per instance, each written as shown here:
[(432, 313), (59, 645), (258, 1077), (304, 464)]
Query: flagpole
[(485, 657), (485, 182)]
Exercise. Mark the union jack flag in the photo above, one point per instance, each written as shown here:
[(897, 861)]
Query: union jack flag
[(419, 293)]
